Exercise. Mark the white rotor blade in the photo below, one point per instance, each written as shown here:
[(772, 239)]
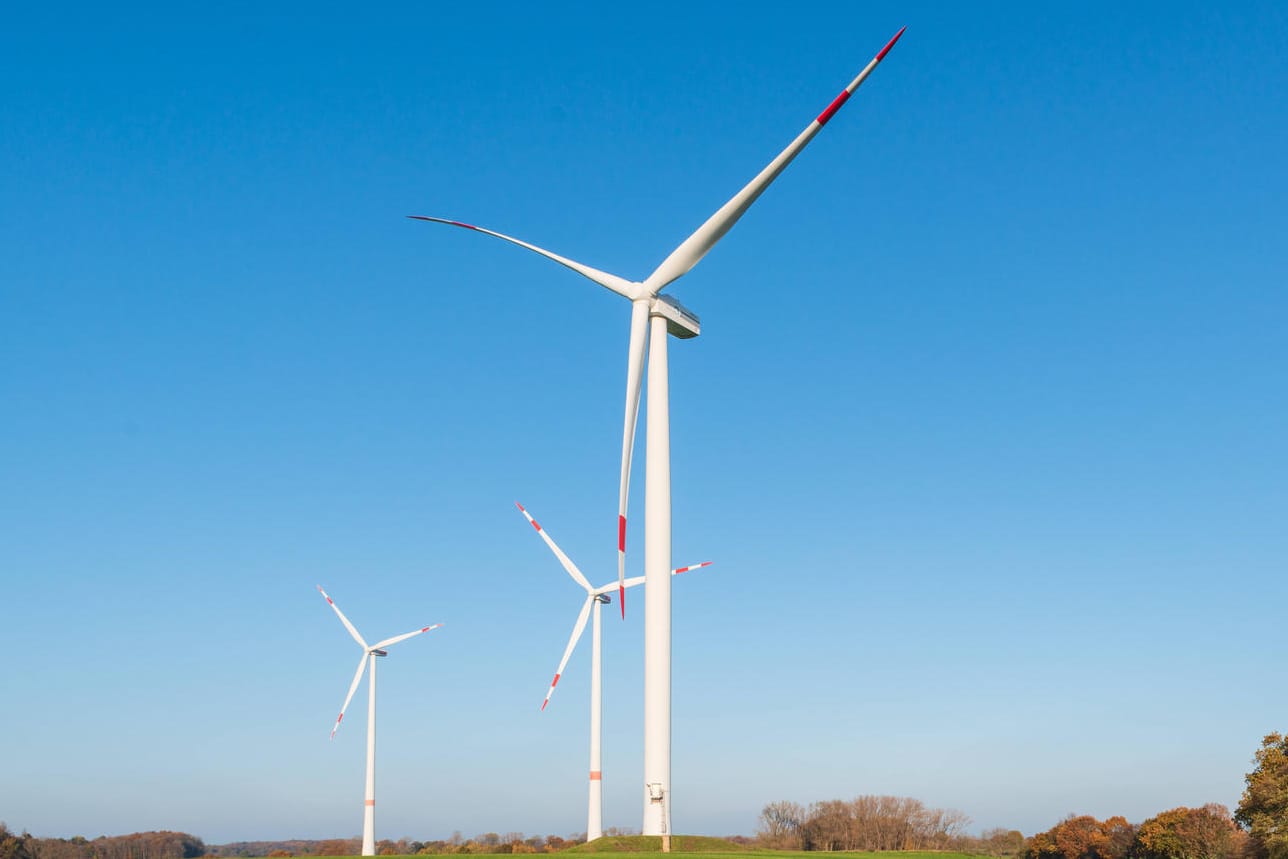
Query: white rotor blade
[(577, 630), (634, 374), (695, 247), (353, 687), (619, 285), (633, 581), (344, 620), (379, 645), (563, 559)]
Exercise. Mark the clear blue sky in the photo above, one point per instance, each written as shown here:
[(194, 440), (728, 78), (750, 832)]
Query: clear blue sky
[(987, 429)]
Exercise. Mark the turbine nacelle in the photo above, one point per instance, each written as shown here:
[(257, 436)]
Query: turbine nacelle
[(680, 321)]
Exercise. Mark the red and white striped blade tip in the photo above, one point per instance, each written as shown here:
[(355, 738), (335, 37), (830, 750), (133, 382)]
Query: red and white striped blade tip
[(890, 44), (553, 684), (694, 567), (527, 515), (621, 598)]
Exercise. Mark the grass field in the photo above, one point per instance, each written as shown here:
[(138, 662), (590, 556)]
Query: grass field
[(732, 851), (703, 847)]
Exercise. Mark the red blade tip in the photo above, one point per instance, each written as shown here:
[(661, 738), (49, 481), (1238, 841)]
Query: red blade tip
[(621, 598), (890, 44)]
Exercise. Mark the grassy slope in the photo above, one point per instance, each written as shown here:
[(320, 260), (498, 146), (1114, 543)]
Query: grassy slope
[(653, 844), (702, 847)]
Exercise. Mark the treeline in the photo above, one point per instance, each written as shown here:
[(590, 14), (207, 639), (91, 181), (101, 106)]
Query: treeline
[(862, 823), (1258, 829), (138, 845), (181, 845), (486, 843), (1209, 832)]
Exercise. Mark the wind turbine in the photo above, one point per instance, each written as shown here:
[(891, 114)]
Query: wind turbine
[(659, 315), (596, 598), (369, 654)]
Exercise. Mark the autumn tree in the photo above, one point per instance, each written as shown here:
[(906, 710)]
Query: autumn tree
[(14, 846), (1189, 833), (1263, 810), (1084, 837), (1001, 842)]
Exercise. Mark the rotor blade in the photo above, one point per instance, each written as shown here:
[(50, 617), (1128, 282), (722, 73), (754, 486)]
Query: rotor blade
[(619, 285), (634, 376), (344, 620), (563, 559), (695, 247), (353, 687), (633, 581), (577, 630), (406, 635)]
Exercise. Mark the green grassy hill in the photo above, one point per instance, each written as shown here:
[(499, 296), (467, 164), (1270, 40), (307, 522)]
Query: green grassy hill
[(702, 847), (653, 844)]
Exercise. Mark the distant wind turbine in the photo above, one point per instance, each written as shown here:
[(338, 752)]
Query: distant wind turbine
[(596, 598), (369, 654)]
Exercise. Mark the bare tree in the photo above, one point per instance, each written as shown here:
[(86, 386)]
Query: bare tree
[(780, 825)]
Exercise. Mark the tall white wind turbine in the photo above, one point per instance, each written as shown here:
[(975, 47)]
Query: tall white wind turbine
[(657, 315), (368, 661), (596, 598)]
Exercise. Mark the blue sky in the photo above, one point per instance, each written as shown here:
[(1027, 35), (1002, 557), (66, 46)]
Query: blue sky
[(985, 430)]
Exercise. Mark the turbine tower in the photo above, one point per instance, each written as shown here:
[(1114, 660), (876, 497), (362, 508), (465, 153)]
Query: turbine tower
[(656, 316), (596, 598), (368, 662)]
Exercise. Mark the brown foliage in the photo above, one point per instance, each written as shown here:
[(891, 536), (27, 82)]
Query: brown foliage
[(1263, 809), (1189, 833), (1084, 837), (863, 823)]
